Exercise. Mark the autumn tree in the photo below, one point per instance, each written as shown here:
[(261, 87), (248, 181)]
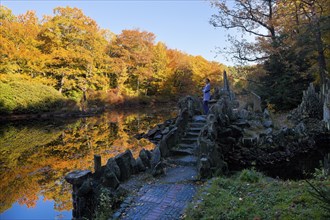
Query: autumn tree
[(254, 17), (305, 25), (74, 47), (203, 68), (287, 34), (19, 47), (135, 49), (160, 68), (70, 52)]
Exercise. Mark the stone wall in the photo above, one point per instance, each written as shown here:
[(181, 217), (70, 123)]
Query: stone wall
[(88, 186)]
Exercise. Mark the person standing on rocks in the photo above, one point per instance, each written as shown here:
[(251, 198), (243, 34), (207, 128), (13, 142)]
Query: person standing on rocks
[(206, 96)]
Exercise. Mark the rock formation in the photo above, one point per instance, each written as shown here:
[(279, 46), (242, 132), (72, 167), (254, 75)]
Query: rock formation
[(228, 138)]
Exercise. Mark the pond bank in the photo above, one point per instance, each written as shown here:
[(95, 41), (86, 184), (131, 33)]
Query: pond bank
[(36, 155), (64, 114)]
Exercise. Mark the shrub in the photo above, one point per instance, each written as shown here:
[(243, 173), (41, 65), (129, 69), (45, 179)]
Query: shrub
[(250, 176)]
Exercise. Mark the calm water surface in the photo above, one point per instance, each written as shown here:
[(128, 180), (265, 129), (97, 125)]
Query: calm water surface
[(35, 156)]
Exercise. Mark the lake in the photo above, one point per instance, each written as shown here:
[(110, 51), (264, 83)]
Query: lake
[(36, 155)]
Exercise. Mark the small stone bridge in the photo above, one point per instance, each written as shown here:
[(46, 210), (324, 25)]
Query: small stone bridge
[(160, 183)]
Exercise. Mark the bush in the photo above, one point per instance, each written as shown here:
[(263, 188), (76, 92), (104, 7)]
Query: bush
[(250, 176)]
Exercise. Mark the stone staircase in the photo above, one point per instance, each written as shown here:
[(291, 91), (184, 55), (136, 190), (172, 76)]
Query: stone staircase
[(185, 152), (168, 196)]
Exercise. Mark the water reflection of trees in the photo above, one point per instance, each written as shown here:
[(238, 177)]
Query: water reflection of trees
[(35, 158)]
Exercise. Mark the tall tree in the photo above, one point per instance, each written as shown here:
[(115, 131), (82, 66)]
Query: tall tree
[(160, 68), (288, 34), (306, 27), (72, 41), (254, 17), (19, 48), (135, 49)]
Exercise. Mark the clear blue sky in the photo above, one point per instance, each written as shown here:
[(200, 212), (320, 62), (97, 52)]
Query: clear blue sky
[(179, 24)]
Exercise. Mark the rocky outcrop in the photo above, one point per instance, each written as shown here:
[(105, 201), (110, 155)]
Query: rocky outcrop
[(311, 106), (238, 138), (228, 138), (192, 104)]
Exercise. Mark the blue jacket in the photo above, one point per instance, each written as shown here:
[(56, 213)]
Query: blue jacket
[(207, 92)]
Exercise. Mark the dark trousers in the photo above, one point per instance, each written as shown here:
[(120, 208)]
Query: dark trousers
[(206, 107)]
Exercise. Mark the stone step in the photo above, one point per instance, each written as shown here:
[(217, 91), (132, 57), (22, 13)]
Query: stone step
[(188, 160), (196, 124), (199, 118), (195, 129), (187, 146), (184, 151), (188, 140), (192, 134)]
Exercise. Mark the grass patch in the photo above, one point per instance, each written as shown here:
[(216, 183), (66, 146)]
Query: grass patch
[(28, 95), (250, 195)]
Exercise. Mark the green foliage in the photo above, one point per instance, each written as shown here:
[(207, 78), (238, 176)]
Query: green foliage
[(250, 176), (282, 71), (104, 207), (291, 43), (322, 173), (250, 195), (17, 96), (322, 193)]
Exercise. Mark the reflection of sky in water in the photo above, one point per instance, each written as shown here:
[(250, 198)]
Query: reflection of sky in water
[(42, 210), (35, 156)]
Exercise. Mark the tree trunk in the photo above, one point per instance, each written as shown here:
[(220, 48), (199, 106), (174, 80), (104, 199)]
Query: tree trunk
[(319, 44), (320, 50), (61, 83)]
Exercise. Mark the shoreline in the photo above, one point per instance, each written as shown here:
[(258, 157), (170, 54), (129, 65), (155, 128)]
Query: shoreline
[(65, 114)]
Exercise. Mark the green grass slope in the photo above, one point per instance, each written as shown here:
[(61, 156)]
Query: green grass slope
[(250, 195), (27, 96)]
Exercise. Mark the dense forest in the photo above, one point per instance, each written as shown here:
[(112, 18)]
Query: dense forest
[(291, 45), (67, 59)]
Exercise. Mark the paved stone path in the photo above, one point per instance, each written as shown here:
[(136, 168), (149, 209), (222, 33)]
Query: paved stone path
[(161, 201), (168, 197)]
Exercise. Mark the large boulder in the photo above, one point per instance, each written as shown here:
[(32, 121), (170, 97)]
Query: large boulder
[(163, 148), (109, 179), (77, 177), (113, 167), (182, 121), (145, 156), (159, 169), (156, 157), (85, 188), (140, 166), (204, 168), (126, 164), (192, 104), (168, 142)]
